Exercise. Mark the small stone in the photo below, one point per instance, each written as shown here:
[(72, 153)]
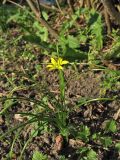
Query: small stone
[(18, 117)]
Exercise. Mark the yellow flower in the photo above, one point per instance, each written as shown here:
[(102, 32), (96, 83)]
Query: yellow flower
[(57, 64)]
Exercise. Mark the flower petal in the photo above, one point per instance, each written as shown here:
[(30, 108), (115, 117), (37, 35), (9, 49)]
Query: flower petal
[(52, 68), (60, 67), (59, 61), (49, 66), (64, 62), (53, 61)]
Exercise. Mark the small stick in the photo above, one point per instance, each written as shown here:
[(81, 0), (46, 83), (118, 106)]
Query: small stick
[(13, 3), (58, 5), (116, 115), (70, 6), (41, 20)]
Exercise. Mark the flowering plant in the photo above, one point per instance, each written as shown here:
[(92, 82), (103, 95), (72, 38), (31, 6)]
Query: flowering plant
[(57, 64)]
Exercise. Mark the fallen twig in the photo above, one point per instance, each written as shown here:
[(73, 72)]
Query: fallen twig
[(41, 20)]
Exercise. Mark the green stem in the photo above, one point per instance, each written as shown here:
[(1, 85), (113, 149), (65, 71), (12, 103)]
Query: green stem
[(13, 143), (62, 86), (26, 144), (96, 99), (17, 127), (21, 98)]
